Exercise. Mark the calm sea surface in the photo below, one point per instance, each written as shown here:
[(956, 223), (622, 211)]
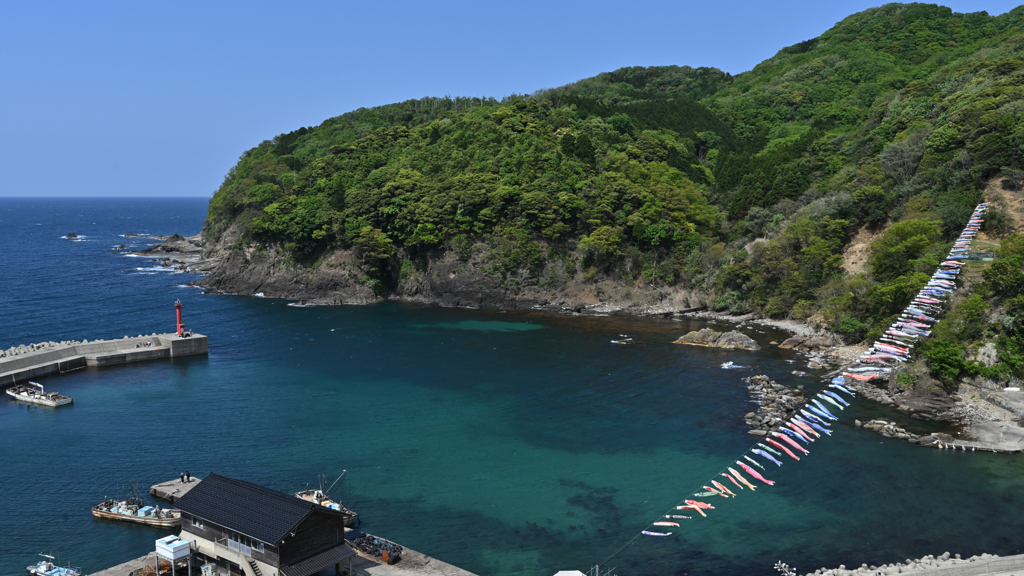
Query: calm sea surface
[(502, 442)]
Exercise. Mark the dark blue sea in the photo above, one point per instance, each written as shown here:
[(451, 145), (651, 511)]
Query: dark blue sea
[(517, 443)]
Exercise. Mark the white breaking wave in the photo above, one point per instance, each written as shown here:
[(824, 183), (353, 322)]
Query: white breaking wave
[(157, 270), (731, 366)]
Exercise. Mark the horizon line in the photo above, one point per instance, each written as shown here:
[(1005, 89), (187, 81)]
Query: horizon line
[(98, 197)]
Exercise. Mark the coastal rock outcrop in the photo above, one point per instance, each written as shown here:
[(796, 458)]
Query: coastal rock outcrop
[(712, 339), (887, 428), (776, 403), (814, 342)]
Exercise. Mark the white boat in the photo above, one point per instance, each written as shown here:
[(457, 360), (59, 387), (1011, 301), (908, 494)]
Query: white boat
[(319, 496), (33, 393), (46, 567)]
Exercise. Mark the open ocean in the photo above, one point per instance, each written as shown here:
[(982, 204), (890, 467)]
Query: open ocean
[(518, 443)]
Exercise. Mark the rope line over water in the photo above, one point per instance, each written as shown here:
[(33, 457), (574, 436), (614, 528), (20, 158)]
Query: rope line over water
[(958, 252)]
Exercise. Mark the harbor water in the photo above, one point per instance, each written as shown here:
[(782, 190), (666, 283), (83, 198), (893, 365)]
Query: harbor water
[(516, 442)]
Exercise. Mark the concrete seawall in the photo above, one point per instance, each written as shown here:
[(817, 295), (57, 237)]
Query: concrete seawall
[(59, 359)]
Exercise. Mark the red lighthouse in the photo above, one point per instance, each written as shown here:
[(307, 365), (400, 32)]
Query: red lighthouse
[(180, 326)]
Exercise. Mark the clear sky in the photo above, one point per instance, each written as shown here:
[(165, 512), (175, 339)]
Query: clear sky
[(134, 98)]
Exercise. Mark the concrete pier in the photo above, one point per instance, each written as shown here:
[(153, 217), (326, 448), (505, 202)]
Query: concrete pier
[(413, 563), (172, 490), (47, 360), (128, 567)]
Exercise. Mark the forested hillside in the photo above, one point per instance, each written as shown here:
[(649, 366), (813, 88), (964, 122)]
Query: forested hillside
[(748, 189)]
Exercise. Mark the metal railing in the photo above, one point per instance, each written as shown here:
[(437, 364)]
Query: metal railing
[(234, 546)]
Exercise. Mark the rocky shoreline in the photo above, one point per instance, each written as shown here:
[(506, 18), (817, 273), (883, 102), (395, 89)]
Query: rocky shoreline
[(232, 267), (179, 253), (452, 283), (989, 422)]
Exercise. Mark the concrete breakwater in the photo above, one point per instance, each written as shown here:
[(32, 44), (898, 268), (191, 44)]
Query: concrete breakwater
[(942, 565), (22, 363)]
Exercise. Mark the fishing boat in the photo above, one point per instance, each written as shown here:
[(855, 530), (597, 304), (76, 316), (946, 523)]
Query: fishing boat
[(320, 496), (48, 568), (33, 393), (134, 509)]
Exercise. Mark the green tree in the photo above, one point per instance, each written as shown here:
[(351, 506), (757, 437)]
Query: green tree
[(945, 361), (374, 243), (893, 251)]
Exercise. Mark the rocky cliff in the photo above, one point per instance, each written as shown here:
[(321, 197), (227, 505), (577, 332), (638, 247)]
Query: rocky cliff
[(471, 280)]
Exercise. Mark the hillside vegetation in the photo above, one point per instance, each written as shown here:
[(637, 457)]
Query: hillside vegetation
[(891, 122)]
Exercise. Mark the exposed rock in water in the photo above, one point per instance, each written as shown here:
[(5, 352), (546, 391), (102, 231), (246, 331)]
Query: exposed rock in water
[(776, 404), (815, 342), (71, 235), (889, 429), (710, 338)]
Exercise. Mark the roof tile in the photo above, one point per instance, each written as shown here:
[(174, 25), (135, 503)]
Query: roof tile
[(261, 513)]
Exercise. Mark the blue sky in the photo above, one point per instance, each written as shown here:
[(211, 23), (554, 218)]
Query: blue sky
[(160, 98)]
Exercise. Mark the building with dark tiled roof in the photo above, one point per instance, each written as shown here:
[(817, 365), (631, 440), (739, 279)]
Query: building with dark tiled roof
[(249, 530)]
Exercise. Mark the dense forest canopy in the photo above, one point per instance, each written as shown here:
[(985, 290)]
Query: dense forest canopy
[(890, 123)]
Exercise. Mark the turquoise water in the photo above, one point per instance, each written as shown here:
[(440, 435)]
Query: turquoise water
[(502, 442)]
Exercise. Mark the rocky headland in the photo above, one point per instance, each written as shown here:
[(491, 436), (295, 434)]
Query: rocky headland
[(468, 280), (179, 252)]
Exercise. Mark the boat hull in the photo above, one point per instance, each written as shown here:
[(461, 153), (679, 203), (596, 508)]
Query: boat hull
[(39, 400), (149, 521), (310, 496)]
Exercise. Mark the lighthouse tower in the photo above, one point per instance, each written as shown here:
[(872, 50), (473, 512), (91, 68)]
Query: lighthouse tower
[(179, 327)]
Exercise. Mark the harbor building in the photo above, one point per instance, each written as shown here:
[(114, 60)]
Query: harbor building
[(244, 529)]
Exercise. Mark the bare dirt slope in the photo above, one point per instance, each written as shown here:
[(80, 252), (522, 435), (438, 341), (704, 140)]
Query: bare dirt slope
[(1008, 200), (855, 258)]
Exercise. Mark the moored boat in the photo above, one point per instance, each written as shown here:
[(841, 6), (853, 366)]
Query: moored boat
[(319, 496), (48, 568), (33, 393), (131, 512), (134, 509)]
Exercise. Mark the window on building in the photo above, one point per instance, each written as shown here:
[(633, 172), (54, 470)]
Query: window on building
[(244, 543), (197, 522)]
